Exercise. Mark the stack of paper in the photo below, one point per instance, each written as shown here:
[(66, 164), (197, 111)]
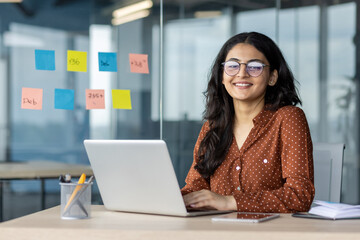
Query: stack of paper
[(335, 210)]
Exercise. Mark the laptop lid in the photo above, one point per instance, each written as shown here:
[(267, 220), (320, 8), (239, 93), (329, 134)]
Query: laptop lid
[(136, 176)]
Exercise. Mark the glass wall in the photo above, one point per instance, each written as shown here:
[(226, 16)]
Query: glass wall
[(50, 133), (341, 90), (190, 46), (318, 45), (46, 134), (181, 40)]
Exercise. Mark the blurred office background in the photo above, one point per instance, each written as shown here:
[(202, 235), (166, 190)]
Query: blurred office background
[(319, 38)]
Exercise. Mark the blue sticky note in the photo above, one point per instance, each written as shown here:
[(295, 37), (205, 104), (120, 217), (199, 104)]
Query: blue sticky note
[(107, 62), (64, 99), (45, 60)]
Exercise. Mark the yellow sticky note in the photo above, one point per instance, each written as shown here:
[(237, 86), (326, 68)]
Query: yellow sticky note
[(121, 99), (76, 61)]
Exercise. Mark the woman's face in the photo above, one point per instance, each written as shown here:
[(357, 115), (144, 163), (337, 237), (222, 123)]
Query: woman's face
[(242, 86)]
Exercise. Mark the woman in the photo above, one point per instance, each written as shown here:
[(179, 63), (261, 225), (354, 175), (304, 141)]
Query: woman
[(254, 152)]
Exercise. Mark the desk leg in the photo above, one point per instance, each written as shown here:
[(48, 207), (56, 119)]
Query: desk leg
[(1, 201), (42, 193)]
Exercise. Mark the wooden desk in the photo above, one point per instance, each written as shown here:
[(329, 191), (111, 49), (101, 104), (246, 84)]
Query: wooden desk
[(105, 225), (40, 170)]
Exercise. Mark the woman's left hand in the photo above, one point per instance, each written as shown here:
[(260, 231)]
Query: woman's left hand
[(209, 200)]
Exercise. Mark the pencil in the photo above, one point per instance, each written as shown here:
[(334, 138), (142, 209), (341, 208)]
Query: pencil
[(77, 188)]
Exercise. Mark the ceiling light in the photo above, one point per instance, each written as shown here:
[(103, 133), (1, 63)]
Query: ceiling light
[(10, 1), (14, 39), (207, 14), (132, 8), (131, 17)]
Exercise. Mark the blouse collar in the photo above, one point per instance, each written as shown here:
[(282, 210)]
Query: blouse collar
[(263, 117)]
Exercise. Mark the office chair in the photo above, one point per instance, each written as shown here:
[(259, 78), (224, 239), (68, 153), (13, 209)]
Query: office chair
[(328, 163)]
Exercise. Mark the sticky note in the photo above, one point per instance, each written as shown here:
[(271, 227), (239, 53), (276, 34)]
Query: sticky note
[(44, 60), (107, 62), (121, 99), (76, 61), (139, 63), (95, 98), (64, 99), (31, 98)]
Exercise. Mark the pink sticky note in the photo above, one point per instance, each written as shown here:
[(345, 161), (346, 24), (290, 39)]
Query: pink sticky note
[(95, 98), (139, 63), (31, 98)]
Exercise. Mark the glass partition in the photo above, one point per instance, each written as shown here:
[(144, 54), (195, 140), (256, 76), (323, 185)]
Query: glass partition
[(318, 46), (49, 134), (342, 120), (191, 44)]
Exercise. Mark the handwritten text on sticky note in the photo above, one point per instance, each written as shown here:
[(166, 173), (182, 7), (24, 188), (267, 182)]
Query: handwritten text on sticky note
[(121, 99), (76, 61), (139, 63), (95, 98), (107, 62), (64, 99), (45, 60), (31, 98)]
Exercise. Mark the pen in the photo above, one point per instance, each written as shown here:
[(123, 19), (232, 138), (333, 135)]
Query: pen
[(61, 178), (65, 179), (76, 199), (77, 188)]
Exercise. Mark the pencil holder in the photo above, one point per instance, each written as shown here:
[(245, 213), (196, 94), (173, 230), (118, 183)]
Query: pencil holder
[(75, 200)]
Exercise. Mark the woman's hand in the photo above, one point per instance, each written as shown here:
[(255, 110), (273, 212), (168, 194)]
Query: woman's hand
[(209, 200)]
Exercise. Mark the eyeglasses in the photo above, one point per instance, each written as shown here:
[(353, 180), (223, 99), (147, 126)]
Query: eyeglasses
[(254, 68)]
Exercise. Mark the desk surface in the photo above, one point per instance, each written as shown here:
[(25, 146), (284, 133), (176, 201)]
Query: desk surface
[(40, 169), (116, 225)]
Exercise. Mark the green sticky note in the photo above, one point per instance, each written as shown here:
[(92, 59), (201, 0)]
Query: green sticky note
[(121, 99), (76, 61)]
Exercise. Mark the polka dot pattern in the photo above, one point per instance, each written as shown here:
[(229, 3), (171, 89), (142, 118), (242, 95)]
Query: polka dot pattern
[(273, 170)]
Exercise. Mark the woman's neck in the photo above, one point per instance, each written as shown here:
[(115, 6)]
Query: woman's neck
[(245, 112)]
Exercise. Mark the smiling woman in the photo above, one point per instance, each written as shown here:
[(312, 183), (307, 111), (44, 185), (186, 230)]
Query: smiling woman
[(254, 152), (248, 83)]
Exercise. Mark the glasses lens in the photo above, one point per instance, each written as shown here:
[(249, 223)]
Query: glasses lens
[(254, 69), (231, 68)]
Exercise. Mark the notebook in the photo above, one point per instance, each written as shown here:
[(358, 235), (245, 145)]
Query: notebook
[(137, 176), (332, 211)]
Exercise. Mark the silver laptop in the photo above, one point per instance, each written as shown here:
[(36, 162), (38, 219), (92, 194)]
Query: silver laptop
[(137, 176)]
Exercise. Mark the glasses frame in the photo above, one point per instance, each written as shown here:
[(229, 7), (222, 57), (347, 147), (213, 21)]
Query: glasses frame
[(246, 67)]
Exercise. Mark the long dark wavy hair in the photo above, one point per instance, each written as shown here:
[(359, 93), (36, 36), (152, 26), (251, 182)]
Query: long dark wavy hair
[(219, 111)]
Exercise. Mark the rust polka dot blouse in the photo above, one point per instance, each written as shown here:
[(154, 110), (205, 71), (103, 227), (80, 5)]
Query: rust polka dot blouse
[(273, 170)]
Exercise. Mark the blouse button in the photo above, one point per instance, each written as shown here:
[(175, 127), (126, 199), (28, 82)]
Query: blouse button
[(238, 168), (238, 188), (265, 160)]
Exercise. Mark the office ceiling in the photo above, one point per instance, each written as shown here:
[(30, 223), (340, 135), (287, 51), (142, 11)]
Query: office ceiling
[(243, 4), (31, 7), (78, 14)]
